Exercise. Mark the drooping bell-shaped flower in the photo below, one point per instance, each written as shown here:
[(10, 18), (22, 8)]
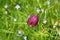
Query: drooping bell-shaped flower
[(32, 20)]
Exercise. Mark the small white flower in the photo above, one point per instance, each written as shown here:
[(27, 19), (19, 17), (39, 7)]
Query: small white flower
[(44, 21), (14, 19), (5, 6), (17, 6), (26, 6), (54, 26), (37, 10), (19, 33), (42, 10), (25, 37), (6, 12), (48, 2)]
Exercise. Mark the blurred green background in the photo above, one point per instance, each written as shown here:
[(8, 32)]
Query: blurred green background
[(15, 13)]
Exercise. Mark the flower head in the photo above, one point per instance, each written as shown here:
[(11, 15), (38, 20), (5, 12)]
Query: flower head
[(33, 20), (19, 33), (6, 12), (25, 37), (17, 6), (5, 6), (37, 10), (14, 19), (44, 21)]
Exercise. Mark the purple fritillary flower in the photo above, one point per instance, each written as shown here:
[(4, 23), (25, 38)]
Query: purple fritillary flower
[(32, 20)]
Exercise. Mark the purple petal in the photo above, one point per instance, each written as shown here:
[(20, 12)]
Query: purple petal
[(33, 20)]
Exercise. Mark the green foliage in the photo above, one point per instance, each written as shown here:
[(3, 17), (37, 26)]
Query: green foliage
[(9, 27)]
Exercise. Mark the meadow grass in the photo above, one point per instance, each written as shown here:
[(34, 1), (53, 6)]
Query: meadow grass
[(13, 20)]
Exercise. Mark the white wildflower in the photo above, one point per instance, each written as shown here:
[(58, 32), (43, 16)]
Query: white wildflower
[(17, 6), (48, 2), (5, 6), (25, 37), (6, 12), (44, 21), (19, 33), (14, 19), (26, 6), (37, 10)]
